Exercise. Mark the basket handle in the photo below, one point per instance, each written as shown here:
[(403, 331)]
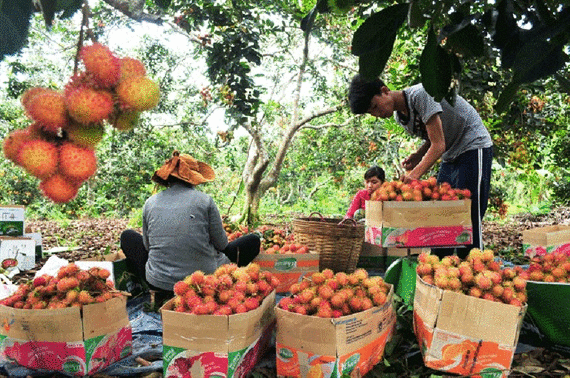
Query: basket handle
[(341, 223), (319, 214)]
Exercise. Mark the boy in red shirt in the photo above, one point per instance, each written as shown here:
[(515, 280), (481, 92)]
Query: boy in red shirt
[(373, 178)]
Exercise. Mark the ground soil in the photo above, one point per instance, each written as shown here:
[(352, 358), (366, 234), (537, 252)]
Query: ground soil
[(85, 238)]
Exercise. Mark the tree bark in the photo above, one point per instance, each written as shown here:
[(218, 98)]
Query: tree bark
[(134, 9)]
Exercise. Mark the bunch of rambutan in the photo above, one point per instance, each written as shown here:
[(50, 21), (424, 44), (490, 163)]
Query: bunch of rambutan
[(71, 287), (552, 267), (331, 295), (419, 190), (59, 146), (287, 247), (479, 275), (229, 290)]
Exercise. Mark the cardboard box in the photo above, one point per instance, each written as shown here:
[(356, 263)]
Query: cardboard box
[(37, 236), (543, 240), (123, 275), (70, 340), (22, 249), (310, 346), (289, 268), (376, 257), (215, 345), (465, 335), (418, 224), (12, 220)]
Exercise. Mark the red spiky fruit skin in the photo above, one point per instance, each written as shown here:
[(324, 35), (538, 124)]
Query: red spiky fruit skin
[(102, 63), (13, 142), (39, 157), (77, 163), (138, 93), (85, 135), (47, 107), (131, 67), (59, 189), (87, 105)]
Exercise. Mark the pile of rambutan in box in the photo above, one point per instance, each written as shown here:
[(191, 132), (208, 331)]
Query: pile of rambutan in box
[(333, 325), (221, 324), (419, 214), (218, 324), (74, 322), (468, 313)]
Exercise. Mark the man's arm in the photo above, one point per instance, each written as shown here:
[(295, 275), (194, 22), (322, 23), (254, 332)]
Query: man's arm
[(434, 148)]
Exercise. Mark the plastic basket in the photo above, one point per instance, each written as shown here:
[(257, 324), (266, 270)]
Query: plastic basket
[(338, 241)]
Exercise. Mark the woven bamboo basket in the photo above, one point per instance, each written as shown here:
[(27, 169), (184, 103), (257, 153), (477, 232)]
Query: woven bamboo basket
[(337, 241)]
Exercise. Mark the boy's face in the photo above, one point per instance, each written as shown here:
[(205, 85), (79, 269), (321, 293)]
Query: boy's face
[(381, 105), (372, 183)]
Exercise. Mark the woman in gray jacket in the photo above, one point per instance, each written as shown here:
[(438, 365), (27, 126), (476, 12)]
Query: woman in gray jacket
[(182, 229)]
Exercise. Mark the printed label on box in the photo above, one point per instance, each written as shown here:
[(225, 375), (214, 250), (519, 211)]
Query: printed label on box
[(454, 353), (69, 357), (187, 363), (104, 350), (23, 250), (180, 362), (12, 220), (426, 236), (539, 250)]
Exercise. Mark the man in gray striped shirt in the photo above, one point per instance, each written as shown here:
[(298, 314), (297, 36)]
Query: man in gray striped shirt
[(453, 133)]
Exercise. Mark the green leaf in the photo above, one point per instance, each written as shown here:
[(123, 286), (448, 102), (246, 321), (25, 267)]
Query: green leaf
[(374, 40), (467, 41), (537, 59), (506, 96), (435, 68), (416, 18), (69, 7), (308, 20), (379, 28)]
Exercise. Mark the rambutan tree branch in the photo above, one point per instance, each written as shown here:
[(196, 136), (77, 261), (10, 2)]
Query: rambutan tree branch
[(134, 9)]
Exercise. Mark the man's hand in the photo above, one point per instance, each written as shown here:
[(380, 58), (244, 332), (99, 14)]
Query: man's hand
[(411, 161)]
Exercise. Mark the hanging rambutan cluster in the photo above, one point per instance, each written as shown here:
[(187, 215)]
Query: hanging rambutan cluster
[(59, 146)]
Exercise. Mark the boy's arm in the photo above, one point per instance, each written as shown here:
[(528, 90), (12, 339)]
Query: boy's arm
[(354, 205), (435, 148)]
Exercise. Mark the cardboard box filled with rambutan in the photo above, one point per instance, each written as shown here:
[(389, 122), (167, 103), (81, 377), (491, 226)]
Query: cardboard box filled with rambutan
[(74, 322), (334, 325), (542, 240), (548, 290), (468, 314), (289, 262), (418, 214), (218, 324)]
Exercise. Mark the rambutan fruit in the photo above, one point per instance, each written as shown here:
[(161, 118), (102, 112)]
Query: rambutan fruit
[(30, 93), (83, 135), (138, 93), (483, 282), (77, 163), (13, 142), (131, 67), (87, 105), (47, 107), (59, 189), (38, 157), (102, 63)]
